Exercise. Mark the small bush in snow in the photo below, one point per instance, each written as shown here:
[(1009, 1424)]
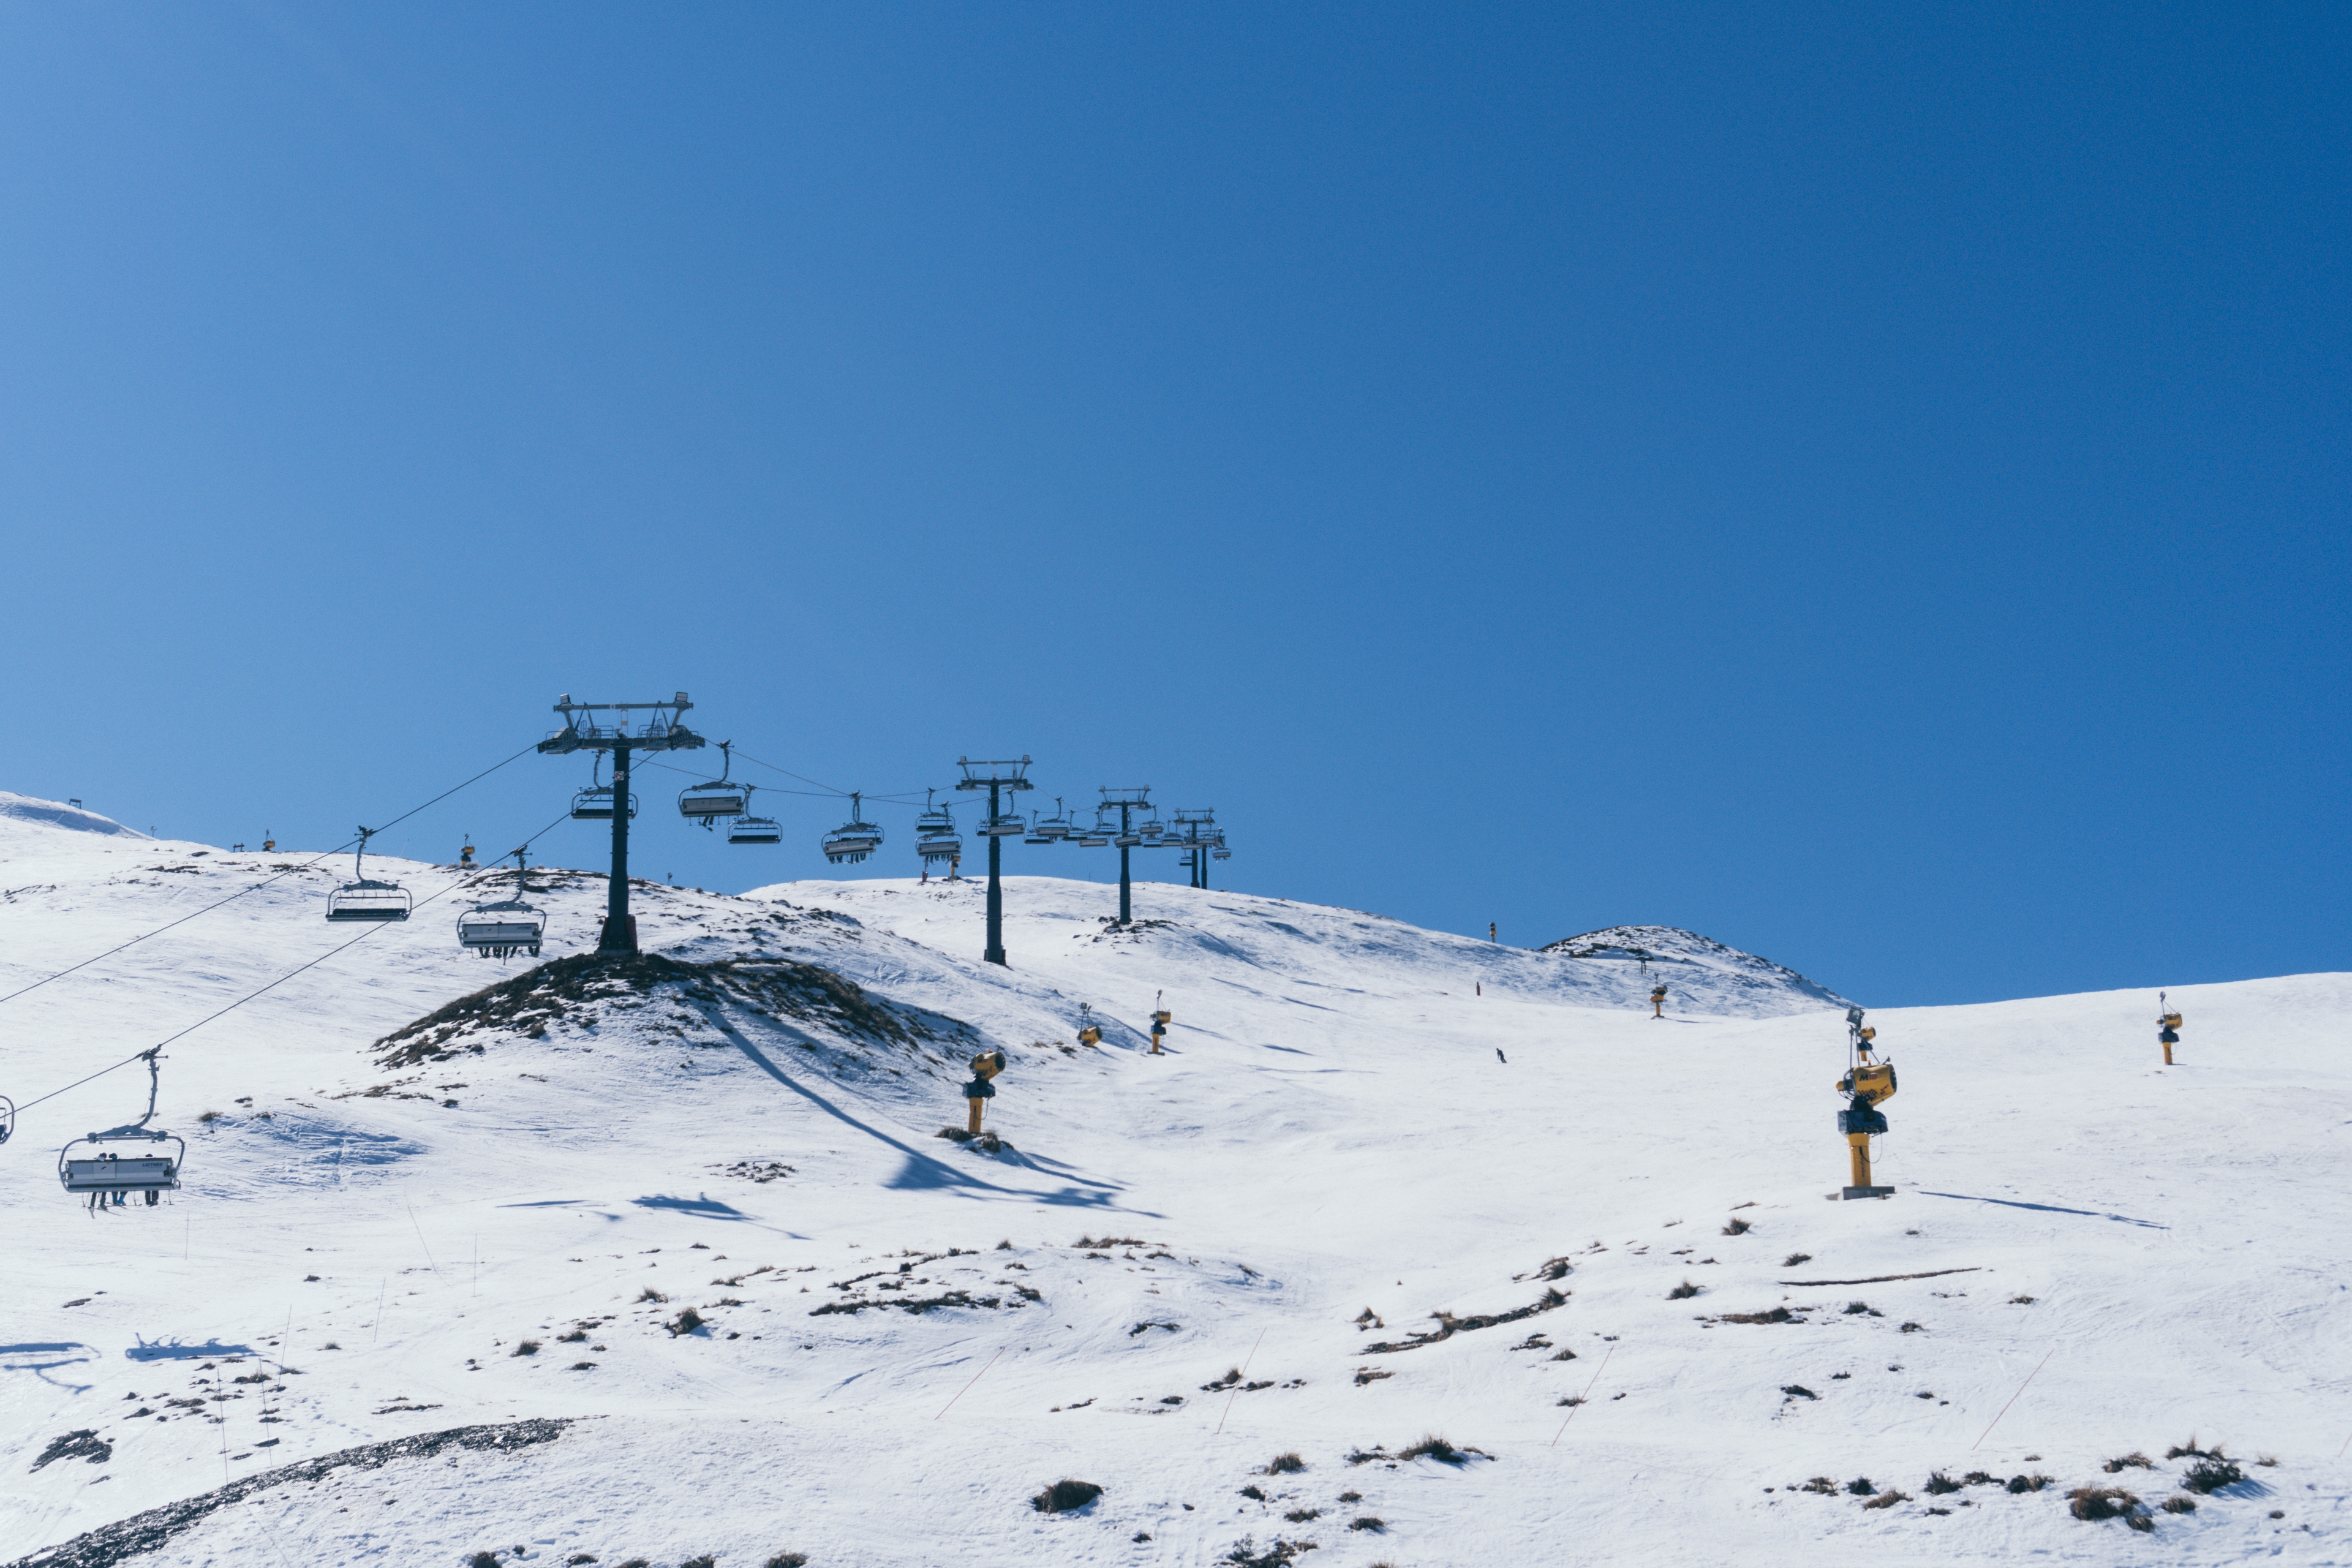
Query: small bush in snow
[(2133, 1460), (1796, 1258), (1066, 1496), (1284, 1465), (2208, 1476), (1737, 1227), (2100, 1502), (1939, 1483), (1888, 1498), (2179, 1505), (1682, 1292), (1435, 1447), (1368, 1523)]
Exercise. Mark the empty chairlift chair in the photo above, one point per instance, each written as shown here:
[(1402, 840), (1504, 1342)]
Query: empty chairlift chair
[(1100, 833), (1056, 828), (708, 803), (108, 1178), (506, 928), (362, 899), (595, 803), (755, 830), (856, 839)]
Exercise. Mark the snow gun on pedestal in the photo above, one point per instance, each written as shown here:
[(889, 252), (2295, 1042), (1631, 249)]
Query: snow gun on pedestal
[(1869, 1082), (1161, 1018), (980, 1092), (2167, 1028), (1658, 1000)]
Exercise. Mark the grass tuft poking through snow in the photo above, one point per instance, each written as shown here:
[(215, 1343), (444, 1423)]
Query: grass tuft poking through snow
[(1066, 1497), (1737, 1227), (1682, 1292), (1284, 1465)]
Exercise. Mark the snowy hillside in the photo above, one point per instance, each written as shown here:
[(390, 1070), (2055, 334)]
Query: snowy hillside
[(60, 814), (1687, 961), (575, 1262)]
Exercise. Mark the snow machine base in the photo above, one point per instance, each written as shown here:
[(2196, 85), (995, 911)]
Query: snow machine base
[(1868, 1193)]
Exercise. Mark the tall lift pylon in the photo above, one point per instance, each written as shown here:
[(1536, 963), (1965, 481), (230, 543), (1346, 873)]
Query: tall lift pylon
[(661, 732)]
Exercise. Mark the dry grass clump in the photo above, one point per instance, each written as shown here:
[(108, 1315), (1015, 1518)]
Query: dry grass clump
[(2133, 1460), (1435, 1447), (2210, 1474), (650, 1294), (1862, 1486), (2179, 1505), (1066, 1497), (1365, 1375), (1796, 1258), (2100, 1502), (1368, 1522), (685, 1322), (1777, 1315), (1737, 1227), (1289, 1464), (1822, 1484), (1888, 1498), (1682, 1292), (1855, 1308), (1252, 1492), (528, 1347), (1939, 1483), (2033, 1483)]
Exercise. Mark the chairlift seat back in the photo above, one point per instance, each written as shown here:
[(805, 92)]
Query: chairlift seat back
[(113, 1174), (367, 901), (755, 830), (699, 801)]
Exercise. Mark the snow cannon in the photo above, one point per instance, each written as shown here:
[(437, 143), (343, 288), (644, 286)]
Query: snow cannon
[(1868, 1083), (1161, 1018), (2167, 1028), (980, 1092), (1658, 1000)]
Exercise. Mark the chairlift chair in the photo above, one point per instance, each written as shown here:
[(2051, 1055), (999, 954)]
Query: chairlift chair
[(1056, 826), (506, 928), (755, 830), (362, 899), (1004, 825), (7, 1117), (1098, 836), (1128, 838), (595, 803), (933, 818), (108, 1179), (707, 802), (856, 839), (940, 846)]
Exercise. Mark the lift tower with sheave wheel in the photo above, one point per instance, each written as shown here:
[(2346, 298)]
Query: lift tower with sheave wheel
[(999, 779), (661, 731)]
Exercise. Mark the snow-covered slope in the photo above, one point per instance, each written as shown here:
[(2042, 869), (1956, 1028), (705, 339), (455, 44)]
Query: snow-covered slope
[(32, 808), (1688, 961), (1385, 1183)]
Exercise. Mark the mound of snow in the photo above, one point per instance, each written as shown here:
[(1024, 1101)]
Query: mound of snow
[(59, 814), (1680, 957)]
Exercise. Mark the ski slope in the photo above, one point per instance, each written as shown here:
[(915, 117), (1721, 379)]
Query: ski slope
[(1402, 1184)]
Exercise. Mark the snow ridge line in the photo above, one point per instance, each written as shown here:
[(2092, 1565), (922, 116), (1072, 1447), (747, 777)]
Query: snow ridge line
[(143, 1532)]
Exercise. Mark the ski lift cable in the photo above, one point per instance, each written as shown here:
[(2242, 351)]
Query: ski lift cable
[(461, 882), (257, 887), (901, 798)]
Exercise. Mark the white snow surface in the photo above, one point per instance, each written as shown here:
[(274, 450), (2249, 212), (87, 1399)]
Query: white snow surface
[(60, 814), (1353, 1117)]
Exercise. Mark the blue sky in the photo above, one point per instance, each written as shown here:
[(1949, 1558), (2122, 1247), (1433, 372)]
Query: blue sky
[(1868, 486)]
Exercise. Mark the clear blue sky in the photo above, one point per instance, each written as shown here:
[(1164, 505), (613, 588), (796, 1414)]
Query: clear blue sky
[(1866, 484)]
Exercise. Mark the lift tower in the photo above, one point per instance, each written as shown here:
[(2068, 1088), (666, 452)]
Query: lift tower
[(1126, 802), (999, 779), (661, 732)]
